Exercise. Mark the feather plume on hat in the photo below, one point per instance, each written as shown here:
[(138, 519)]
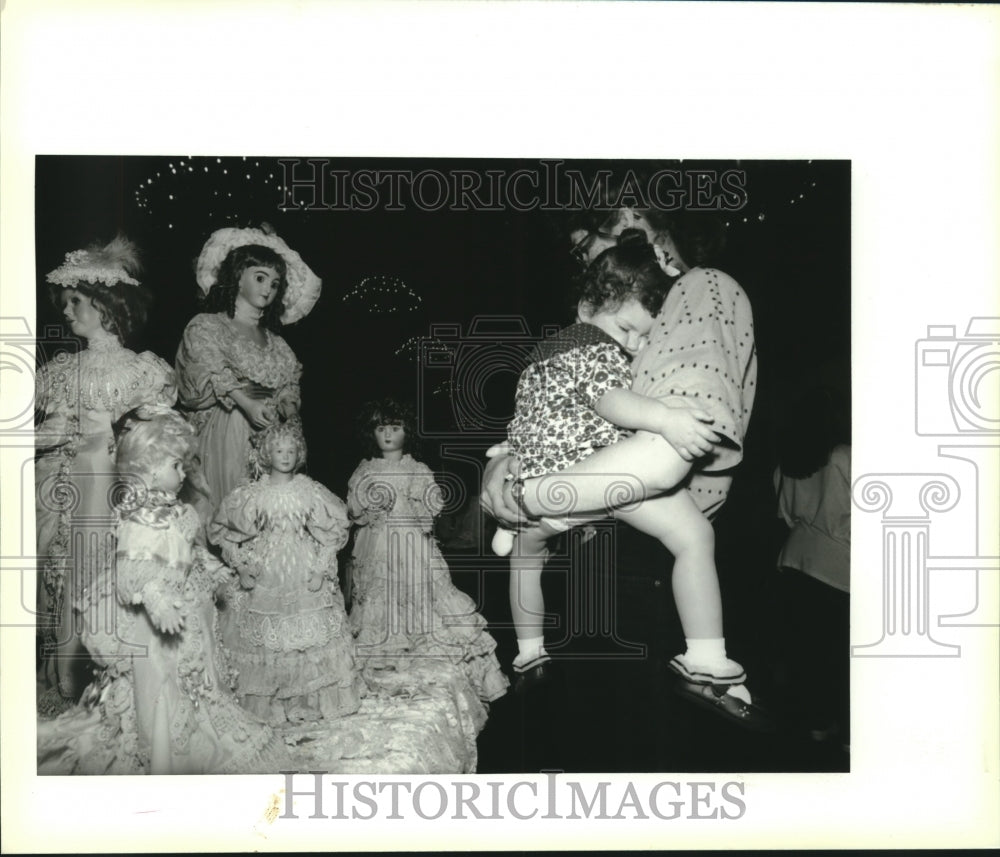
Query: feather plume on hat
[(116, 262)]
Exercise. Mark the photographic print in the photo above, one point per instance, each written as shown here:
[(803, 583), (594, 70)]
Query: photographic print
[(472, 426), (416, 294)]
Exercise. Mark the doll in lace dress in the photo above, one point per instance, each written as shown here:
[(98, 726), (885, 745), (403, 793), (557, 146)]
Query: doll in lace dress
[(292, 648), (235, 374), (79, 398), (162, 704), (405, 605)]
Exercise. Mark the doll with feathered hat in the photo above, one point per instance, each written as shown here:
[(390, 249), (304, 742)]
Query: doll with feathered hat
[(79, 398)]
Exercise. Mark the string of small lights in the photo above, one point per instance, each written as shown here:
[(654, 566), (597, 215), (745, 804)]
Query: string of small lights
[(803, 187), (414, 348), (219, 190), (383, 294)]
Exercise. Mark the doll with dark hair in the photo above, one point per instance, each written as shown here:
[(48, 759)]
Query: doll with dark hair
[(405, 605), (292, 647), (80, 398), (236, 375)]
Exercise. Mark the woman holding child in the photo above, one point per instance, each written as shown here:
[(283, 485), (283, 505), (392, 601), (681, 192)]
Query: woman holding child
[(700, 355)]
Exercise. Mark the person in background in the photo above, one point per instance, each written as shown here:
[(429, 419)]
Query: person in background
[(813, 487)]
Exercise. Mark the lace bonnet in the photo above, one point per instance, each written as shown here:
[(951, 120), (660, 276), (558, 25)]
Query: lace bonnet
[(110, 265)]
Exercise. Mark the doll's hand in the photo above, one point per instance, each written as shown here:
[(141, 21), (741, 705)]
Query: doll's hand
[(259, 413), (315, 581), (687, 430), (168, 619), (258, 391), (287, 408), (248, 578)]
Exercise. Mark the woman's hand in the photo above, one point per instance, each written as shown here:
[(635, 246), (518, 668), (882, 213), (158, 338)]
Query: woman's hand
[(248, 578), (493, 498), (687, 429), (315, 581)]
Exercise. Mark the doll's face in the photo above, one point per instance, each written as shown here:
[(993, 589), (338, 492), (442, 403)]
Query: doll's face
[(284, 455), (169, 476), (83, 317), (259, 285), (390, 437)]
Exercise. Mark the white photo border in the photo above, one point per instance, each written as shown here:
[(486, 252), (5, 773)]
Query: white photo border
[(907, 93)]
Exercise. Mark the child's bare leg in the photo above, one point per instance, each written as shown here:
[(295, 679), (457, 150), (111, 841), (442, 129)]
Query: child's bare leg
[(527, 606), (678, 523)]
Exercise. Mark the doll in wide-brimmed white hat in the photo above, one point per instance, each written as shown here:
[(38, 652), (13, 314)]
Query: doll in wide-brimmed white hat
[(236, 375)]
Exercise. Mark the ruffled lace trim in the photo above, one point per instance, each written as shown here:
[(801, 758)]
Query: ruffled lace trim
[(107, 378)]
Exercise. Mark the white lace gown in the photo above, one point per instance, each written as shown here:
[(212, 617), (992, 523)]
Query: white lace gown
[(291, 645), (406, 609), (80, 397), (162, 704)]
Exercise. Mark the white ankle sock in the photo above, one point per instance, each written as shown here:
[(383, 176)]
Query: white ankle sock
[(740, 692), (708, 652), (528, 648)]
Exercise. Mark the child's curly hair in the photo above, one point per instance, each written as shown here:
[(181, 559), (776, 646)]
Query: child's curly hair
[(264, 443), (222, 296), (628, 270), (386, 412)]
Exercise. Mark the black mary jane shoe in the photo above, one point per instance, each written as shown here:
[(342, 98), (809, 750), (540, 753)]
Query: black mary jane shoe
[(538, 671), (715, 698)]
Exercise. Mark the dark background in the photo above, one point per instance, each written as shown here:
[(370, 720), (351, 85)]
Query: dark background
[(789, 248)]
